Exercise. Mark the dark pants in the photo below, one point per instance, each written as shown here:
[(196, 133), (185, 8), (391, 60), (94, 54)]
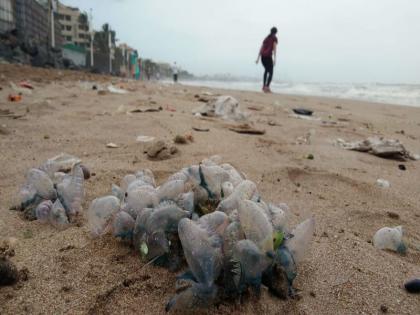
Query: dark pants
[(269, 68), (175, 78)]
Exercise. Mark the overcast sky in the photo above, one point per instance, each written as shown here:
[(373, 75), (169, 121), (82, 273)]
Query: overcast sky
[(319, 40)]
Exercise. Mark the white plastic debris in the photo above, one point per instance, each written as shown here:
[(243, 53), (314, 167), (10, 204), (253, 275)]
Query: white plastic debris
[(390, 238), (115, 90), (145, 138), (383, 183), (112, 145), (226, 107), (387, 148)]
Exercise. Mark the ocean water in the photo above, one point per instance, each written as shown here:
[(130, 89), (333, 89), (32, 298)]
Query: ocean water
[(398, 94)]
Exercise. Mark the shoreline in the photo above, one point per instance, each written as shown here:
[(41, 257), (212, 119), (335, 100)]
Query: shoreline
[(254, 88)]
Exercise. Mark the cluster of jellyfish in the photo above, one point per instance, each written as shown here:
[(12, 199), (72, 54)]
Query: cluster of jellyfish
[(53, 193), (211, 217)]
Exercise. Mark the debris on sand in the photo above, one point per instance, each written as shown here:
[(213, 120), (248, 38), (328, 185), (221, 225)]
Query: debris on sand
[(14, 98), (160, 150), (246, 129), (142, 138), (146, 110), (200, 129), (383, 183), (225, 107), (112, 145), (26, 84), (54, 192), (303, 111), (115, 90), (212, 217), (305, 117), (379, 146), (307, 138)]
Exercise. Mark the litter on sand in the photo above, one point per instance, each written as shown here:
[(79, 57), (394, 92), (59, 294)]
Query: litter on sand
[(307, 138), (385, 148), (14, 98), (303, 111), (304, 117), (54, 192), (383, 183), (26, 85), (225, 107), (246, 129), (145, 138), (116, 90), (199, 129), (112, 145), (212, 218), (146, 110)]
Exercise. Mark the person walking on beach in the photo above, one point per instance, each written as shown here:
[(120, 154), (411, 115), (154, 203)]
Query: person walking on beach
[(175, 72), (267, 54)]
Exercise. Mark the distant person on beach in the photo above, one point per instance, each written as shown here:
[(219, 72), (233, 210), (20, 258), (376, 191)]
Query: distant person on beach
[(267, 54), (175, 72), (135, 70)]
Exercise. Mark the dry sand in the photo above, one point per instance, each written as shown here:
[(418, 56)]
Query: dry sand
[(343, 273)]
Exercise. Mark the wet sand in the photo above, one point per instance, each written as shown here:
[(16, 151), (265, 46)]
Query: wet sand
[(343, 273)]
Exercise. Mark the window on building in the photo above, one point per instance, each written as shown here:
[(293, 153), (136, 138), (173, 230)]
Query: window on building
[(61, 16), (68, 27), (81, 35), (68, 18), (63, 27), (68, 38)]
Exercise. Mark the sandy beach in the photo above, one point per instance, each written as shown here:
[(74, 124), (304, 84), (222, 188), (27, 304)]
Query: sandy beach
[(69, 272)]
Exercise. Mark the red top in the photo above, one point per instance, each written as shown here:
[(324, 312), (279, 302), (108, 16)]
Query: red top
[(268, 46)]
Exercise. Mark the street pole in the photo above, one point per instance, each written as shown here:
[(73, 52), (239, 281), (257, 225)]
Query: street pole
[(92, 37), (52, 24), (110, 52)]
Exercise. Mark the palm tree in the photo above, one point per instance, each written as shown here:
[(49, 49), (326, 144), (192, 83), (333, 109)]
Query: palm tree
[(101, 41)]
